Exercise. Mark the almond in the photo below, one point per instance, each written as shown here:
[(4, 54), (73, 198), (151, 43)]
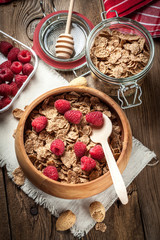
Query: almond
[(97, 211), (80, 81), (65, 221)]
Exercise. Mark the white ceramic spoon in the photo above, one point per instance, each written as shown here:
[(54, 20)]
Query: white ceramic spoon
[(100, 135)]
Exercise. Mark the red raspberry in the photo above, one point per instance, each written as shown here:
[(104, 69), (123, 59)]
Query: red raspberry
[(13, 53), (57, 147), (5, 47), (95, 118), (39, 123), (62, 105), (5, 89), (97, 152), (20, 79), (24, 56), (87, 163), (80, 149), (16, 67), (13, 89), (5, 64), (4, 102), (51, 172), (27, 69), (6, 75), (73, 116)]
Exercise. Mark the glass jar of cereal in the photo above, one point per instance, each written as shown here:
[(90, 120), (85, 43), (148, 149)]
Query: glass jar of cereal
[(119, 53)]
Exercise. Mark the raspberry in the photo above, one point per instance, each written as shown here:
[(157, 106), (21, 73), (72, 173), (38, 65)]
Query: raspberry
[(4, 102), (5, 89), (24, 56), (13, 89), (6, 75), (5, 47), (80, 149), (5, 64), (27, 69), (39, 123), (13, 53), (87, 163), (20, 79), (73, 116), (97, 152), (62, 105), (16, 67), (51, 172), (95, 118), (57, 147)]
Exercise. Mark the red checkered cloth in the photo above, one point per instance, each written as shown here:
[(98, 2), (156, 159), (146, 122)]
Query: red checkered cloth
[(146, 12)]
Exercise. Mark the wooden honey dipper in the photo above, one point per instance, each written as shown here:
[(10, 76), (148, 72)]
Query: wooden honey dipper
[(65, 44)]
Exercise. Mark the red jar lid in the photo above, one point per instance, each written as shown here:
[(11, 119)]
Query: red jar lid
[(5, 1), (59, 65)]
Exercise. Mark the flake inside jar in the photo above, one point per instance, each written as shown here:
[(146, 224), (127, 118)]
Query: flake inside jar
[(111, 49)]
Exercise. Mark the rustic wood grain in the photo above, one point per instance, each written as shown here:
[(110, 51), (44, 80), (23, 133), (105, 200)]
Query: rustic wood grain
[(4, 218), (123, 222), (20, 217), (148, 131), (28, 220)]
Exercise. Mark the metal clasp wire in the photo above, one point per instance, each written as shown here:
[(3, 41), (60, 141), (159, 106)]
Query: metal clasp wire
[(53, 5), (104, 14), (42, 7), (84, 74), (121, 92)]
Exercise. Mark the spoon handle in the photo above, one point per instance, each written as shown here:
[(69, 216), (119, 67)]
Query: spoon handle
[(115, 173), (67, 30)]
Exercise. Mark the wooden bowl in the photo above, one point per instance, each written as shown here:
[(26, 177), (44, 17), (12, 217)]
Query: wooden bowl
[(64, 190)]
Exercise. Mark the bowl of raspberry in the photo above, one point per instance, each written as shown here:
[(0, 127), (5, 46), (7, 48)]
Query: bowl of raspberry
[(18, 64), (54, 147)]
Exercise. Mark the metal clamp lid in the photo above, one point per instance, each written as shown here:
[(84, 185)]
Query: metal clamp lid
[(42, 7), (136, 96), (103, 14)]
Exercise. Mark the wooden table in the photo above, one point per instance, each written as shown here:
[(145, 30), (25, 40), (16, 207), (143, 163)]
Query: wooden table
[(20, 217)]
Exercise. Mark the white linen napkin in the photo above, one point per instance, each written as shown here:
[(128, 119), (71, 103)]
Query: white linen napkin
[(46, 79)]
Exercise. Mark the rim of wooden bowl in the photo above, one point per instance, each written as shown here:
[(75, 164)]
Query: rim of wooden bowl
[(80, 190)]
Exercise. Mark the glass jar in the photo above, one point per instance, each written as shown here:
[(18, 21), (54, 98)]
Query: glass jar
[(121, 87)]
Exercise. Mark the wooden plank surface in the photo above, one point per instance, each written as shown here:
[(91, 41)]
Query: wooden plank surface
[(21, 218), (4, 214), (145, 125)]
